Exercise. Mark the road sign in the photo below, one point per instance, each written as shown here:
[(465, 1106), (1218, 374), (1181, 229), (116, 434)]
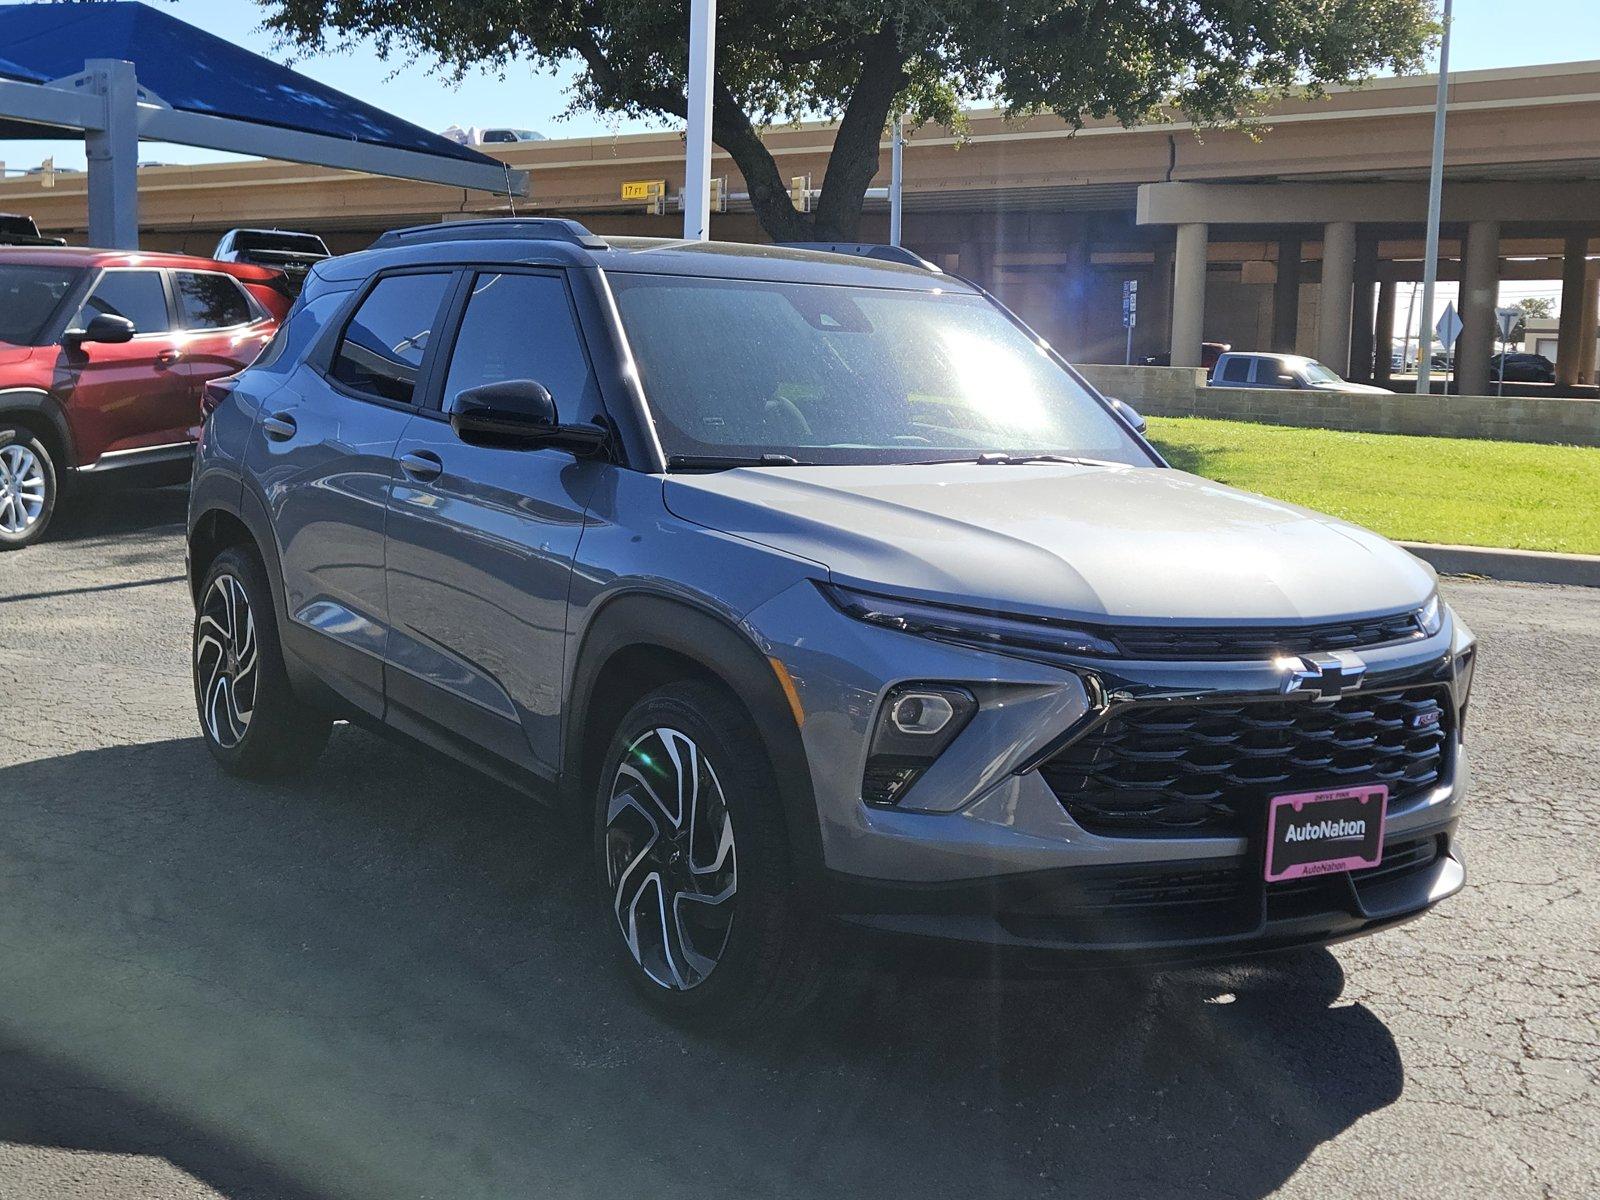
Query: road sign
[(644, 189), (1507, 319), (800, 192), (1449, 327)]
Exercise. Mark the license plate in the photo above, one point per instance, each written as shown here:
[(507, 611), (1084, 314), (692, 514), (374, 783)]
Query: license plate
[(1318, 833)]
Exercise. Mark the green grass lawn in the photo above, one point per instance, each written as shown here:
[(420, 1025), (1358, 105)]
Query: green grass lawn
[(1418, 489)]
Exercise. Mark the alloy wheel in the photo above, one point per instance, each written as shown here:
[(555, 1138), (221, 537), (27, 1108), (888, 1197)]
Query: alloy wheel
[(226, 657), (670, 859), (22, 488)]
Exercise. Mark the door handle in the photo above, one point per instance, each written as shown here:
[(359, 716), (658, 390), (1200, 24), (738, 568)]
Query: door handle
[(280, 427), (421, 464), (166, 358)]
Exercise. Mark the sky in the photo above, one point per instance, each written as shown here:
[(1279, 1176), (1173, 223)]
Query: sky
[(1560, 31), (1563, 31)]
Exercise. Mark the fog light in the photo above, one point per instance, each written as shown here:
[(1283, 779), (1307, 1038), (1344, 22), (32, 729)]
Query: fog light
[(916, 722), (921, 713)]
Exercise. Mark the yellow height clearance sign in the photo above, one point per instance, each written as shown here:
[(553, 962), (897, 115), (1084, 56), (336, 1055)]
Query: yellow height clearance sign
[(644, 189)]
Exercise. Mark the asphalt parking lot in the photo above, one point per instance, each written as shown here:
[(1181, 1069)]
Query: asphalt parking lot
[(383, 980)]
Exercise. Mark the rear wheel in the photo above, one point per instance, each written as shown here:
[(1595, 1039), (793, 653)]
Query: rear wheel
[(694, 864), (252, 722), (27, 487)]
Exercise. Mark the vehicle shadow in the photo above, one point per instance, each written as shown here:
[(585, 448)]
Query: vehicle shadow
[(101, 513), (387, 979)]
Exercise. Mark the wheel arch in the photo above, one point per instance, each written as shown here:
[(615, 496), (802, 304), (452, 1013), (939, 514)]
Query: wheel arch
[(37, 411), (639, 641)]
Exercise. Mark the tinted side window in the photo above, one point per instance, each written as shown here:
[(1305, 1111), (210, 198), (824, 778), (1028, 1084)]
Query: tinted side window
[(1236, 370), (382, 348), (522, 327), (210, 301), (137, 295)]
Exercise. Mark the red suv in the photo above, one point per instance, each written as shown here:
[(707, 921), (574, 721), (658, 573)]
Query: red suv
[(103, 354)]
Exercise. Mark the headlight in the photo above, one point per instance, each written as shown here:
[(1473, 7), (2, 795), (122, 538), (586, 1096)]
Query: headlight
[(1430, 617), (915, 723), (970, 627)]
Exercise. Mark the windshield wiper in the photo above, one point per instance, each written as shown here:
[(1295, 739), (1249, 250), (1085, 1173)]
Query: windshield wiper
[(1012, 460), (717, 462)]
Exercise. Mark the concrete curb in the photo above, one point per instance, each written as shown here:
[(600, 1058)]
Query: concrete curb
[(1519, 566)]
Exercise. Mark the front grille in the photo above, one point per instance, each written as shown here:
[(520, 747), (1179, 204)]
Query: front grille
[(1208, 769), (1213, 643)]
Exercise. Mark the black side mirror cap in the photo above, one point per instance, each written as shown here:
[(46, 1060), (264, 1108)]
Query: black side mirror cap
[(111, 330), (1131, 415), (518, 414)]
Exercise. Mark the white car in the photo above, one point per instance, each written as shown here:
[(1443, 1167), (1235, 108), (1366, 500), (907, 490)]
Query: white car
[(1283, 371)]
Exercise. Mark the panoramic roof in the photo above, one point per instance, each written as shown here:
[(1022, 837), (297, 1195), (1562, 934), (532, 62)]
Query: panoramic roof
[(193, 71)]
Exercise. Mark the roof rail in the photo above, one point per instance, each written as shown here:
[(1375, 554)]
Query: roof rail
[(541, 229), (894, 254)]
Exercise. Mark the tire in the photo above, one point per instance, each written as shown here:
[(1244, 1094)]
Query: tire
[(741, 961), (252, 722), (28, 487)]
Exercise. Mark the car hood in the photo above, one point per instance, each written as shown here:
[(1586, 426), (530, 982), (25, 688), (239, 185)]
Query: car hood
[(1365, 389), (1051, 539)]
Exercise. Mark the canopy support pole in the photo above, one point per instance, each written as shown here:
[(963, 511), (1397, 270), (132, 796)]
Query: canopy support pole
[(113, 153)]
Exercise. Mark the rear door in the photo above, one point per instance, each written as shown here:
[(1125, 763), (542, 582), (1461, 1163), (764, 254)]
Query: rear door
[(322, 452), (223, 329), (481, 540), (128, 399)]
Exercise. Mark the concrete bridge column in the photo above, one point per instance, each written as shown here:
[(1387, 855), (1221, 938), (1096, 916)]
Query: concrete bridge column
[(1591, 316), (1155, 309), (1189, 294), (1383, 335), (1338, 284), (1361, 312), (1569, 343), (1286, 296), (1480, 291)]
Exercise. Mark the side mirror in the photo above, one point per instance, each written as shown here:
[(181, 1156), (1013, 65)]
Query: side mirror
[(105, 328), (518, 414), (1131, 415)]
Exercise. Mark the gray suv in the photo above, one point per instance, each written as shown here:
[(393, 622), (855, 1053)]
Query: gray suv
[(826, 599)]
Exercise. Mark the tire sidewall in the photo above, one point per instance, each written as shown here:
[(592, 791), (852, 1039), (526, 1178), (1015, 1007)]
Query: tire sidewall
[(22, 435)]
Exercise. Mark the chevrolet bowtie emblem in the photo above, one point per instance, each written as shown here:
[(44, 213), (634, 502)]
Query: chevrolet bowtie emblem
[(1323, 676)]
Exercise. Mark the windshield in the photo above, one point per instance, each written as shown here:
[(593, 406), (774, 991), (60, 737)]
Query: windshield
[(29, 295), (825, 374), (1317, 373)]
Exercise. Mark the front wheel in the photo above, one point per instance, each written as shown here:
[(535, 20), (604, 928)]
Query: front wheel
[(252, 722), (27, 487), (694, 864)]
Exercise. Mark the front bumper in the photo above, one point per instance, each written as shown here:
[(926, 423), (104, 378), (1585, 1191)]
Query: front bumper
[(1167, 914), (981, 852)]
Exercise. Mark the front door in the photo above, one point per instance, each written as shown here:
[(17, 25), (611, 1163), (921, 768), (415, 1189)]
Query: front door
[(123, 400), (322, 451), (481, 540)]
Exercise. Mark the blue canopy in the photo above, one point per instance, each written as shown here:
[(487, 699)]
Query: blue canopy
[(196, 72)]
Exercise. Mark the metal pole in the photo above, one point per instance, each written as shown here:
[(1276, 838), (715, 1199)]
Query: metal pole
[(113, 154), (697, 159), (1430, 263), (897, 143)]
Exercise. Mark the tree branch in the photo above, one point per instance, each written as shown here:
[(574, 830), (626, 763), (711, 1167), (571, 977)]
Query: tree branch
[(854, 160)]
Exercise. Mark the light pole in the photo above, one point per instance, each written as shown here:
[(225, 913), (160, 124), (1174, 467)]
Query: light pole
[(896, 154), (1430, 262), (697, 157)]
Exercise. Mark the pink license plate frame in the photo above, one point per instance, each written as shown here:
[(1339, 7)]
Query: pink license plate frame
[(1320, 819)]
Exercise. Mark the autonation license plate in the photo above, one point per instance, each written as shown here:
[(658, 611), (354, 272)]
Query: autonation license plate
[(1317, 833)]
